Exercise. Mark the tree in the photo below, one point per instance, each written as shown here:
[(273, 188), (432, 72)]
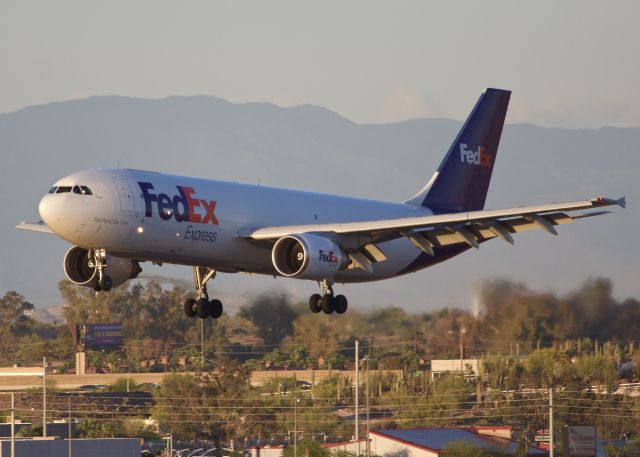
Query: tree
[(217, 404), (306, 448), (14, 323), (273, 317), (548, 368), (592, 369)]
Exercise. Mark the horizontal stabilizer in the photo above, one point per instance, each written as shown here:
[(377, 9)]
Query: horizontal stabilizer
[(34, 227)]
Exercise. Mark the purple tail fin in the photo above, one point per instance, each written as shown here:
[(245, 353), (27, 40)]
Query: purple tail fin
[(462, 179)]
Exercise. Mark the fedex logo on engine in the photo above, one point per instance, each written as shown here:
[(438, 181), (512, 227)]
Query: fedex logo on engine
[(480, 157), (328, 257), (183, 207)]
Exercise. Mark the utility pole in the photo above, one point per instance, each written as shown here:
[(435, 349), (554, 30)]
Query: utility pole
[(13, 424), (44, 397), (201, 344), (368, 448), (295, 426), (69, 429), (462, 332), (357, 422), (550, 421)]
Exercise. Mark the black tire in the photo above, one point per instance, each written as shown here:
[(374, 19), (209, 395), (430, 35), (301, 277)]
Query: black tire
[(202, 308), (97, 288), (215, 308), (190, 307), (340, 304), (314, 303), (326, 303), (106, 283)]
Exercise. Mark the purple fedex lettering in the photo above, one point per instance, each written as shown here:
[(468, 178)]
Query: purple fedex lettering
[(328, 257), (182, 207)]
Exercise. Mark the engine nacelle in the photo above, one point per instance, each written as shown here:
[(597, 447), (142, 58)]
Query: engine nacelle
[(80, 269), (308, 256)]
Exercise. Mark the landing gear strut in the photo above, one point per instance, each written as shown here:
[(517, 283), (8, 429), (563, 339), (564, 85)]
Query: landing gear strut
[(202, 306), (326, 302), (98, 260)]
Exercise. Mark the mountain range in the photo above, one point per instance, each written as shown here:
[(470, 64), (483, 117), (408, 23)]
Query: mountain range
[(312, 148)]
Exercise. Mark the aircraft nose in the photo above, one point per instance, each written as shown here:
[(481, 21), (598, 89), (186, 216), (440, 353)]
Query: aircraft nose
[(49, 211)]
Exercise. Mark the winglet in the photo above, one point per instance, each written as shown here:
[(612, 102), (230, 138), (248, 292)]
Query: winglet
[(603, 201)]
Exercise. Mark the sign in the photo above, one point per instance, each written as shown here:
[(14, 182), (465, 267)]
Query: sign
[(103, 336), (542, 436), (581, 441)]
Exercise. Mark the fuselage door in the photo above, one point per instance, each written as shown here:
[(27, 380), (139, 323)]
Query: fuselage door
[(124, 193)]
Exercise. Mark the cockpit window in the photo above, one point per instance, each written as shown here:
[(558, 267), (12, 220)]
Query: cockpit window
[(80, 190)]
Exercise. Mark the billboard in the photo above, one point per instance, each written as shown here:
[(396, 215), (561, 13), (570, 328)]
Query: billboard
[(580, 441), (103, 336)]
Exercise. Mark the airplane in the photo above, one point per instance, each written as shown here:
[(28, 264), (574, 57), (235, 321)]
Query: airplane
[(117, 218)]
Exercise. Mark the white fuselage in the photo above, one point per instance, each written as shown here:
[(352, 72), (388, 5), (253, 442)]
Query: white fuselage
[(192, 221)]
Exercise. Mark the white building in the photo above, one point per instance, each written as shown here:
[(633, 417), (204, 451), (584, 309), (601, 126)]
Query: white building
[(468, 366)]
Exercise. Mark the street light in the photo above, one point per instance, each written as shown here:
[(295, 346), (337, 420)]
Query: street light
[(44, 397), (461, 333)]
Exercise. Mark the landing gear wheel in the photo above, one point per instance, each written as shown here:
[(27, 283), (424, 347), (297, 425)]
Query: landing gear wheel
[(97, 287), (340, 304), (202, 308), (190, 307), (105, 283), (326, 303), (215, 308), (314, 303)]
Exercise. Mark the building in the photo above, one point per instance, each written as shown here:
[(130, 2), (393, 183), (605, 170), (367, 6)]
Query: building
[(429, 442), (469, 367), (354, 447), (98, 447)]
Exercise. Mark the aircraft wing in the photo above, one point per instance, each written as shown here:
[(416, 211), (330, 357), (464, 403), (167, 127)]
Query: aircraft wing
[(34, 227), (428, 232)]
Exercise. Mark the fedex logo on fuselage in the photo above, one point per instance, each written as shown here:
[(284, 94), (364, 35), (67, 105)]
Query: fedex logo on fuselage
[(480, 157), (328, 257), (183, 207)]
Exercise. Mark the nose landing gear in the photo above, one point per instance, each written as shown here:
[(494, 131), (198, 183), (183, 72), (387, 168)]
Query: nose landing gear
[(202, 306), (98, 260), (327, 302)]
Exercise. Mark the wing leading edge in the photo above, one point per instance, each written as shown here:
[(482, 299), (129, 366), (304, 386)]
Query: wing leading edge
[(359, 239)]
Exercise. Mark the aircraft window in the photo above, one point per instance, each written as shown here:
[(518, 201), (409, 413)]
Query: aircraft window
[(53, 190), (76, 190), (86, 190), (63, 189)]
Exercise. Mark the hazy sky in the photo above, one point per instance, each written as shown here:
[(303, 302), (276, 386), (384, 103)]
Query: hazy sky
[(570, 63)]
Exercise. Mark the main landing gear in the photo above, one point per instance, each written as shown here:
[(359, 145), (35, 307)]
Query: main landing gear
[(98, 260), (326, 302), (202, 306)]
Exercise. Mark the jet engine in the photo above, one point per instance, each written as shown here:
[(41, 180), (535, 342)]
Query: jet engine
[(308, 256), (80, 268)]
